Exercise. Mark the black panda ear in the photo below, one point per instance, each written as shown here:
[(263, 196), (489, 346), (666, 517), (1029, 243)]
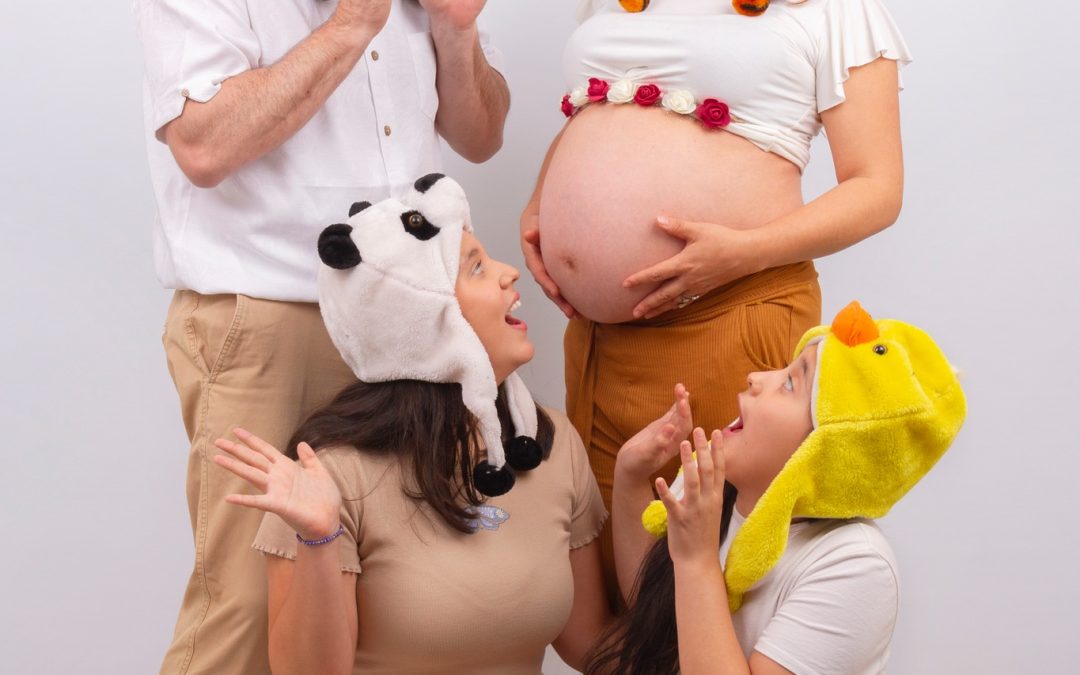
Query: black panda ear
[(336, 247), (357, 208), (424, 184)]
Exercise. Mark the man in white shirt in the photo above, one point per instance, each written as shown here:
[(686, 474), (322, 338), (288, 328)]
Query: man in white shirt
[(267, 121)]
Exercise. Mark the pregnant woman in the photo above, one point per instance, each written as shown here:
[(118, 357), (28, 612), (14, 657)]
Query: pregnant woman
[(668, 219)]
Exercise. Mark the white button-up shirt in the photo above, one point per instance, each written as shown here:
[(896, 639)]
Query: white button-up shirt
[(256, 232)]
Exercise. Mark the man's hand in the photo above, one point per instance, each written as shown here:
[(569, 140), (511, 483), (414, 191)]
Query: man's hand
[(457, 15), (366, 16)]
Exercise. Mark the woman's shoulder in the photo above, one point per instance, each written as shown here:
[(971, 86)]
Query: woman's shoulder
[(565, 440), (356, 471)]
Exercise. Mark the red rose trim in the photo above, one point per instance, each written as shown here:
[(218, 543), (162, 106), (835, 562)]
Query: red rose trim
[(597, 89), (647, 95), (567, 106), (713, 113)]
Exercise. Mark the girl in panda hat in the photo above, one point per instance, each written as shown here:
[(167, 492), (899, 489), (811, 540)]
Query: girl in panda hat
[(804, 582), (445, 523)]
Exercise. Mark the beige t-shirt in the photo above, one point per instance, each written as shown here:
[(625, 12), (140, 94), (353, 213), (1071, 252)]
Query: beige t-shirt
[(431, 599)]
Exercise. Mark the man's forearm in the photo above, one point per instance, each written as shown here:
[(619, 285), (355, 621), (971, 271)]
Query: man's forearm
[(473, 96), (257, 111)]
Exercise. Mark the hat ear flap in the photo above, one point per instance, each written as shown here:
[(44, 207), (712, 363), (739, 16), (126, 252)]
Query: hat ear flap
[(357, 208), (337, 249)]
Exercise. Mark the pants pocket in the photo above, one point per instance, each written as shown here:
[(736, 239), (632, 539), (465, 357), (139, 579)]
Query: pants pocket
[(765, 329), (213, 330)]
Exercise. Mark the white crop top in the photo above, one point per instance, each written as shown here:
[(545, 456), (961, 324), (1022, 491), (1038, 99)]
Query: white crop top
[(777, 72)]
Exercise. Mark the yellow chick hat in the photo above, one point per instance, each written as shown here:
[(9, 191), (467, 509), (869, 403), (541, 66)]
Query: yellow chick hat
[(886, 404)]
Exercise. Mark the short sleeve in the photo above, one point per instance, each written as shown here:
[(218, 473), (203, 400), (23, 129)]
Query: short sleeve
[(839, 617), (588, 514), (275, 537), (190, 47), (855, 32)]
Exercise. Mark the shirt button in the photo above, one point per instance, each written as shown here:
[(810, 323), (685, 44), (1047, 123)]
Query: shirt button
[(185, 93), (374, 55), (386, 130)]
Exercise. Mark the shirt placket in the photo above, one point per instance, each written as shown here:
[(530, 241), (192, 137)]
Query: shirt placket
[(386, 120)]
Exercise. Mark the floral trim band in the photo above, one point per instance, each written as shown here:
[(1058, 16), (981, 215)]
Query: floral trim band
[(711, 112)]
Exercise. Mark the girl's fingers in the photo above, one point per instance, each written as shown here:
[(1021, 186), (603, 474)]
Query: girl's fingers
[(705, 461), (671, 503), (251, 501), (691, 483), (256, 477), (259, 445), (307, 456), (719, 466), (243, 453)]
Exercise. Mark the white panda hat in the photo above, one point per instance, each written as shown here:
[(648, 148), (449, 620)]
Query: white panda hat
[(386, 292)]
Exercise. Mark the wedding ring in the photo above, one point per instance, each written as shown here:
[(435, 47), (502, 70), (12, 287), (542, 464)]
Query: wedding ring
[(685, 300)]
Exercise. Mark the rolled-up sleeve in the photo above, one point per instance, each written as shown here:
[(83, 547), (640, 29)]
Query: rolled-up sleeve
[(189, 48)]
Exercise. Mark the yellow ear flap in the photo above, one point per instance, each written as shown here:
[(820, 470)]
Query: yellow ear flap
[(749, 7), (634, 5)]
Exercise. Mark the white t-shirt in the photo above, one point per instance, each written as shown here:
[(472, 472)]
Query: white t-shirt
[(256, 232), (829, 605)]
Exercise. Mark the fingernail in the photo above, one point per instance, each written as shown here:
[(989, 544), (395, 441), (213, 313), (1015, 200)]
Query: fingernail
[(662, 219)]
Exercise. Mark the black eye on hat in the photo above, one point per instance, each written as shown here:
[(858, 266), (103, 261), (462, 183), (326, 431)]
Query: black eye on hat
[(337, 249), (418, 226)]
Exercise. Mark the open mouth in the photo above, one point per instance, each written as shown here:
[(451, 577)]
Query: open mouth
[(513, 320), (736, 426)]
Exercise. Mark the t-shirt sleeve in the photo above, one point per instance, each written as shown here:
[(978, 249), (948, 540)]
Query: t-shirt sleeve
[(190, 47), (839, 617), (855, 32), (275, 537), (588, 514)]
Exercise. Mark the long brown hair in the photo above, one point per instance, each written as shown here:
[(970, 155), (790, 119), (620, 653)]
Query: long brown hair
[(644, 640), (423, 422)]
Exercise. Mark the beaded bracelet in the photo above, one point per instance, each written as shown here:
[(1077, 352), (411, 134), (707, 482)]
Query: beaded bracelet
[(325, 540)]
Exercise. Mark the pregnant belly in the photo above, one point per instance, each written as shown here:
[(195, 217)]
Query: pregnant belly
[(616, 169)]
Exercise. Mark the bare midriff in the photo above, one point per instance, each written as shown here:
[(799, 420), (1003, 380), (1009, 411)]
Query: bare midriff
[(616, 168)]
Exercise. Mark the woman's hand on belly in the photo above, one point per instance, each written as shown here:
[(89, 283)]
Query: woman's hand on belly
[(534, 260), (713, 256)]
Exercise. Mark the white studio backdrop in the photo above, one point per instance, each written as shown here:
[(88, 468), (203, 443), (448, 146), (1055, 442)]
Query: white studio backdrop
[(93, 518)]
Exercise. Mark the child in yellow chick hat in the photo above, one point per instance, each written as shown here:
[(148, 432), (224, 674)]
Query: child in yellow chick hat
[(806, 582)]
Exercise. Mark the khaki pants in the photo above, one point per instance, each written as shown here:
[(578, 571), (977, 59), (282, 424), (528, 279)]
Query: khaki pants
[(264, 366)]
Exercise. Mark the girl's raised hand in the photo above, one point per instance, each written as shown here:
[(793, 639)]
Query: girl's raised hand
[(302, 493), (647, 451), (693, 528)]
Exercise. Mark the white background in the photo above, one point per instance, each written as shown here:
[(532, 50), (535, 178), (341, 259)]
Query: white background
[(96, 540)]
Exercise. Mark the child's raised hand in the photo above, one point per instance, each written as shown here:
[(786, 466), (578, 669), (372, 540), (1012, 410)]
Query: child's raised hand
[(651, 448), (693, 521), (302, 493)]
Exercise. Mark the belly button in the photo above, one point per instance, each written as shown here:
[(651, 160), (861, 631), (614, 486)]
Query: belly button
[(569, 262)]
